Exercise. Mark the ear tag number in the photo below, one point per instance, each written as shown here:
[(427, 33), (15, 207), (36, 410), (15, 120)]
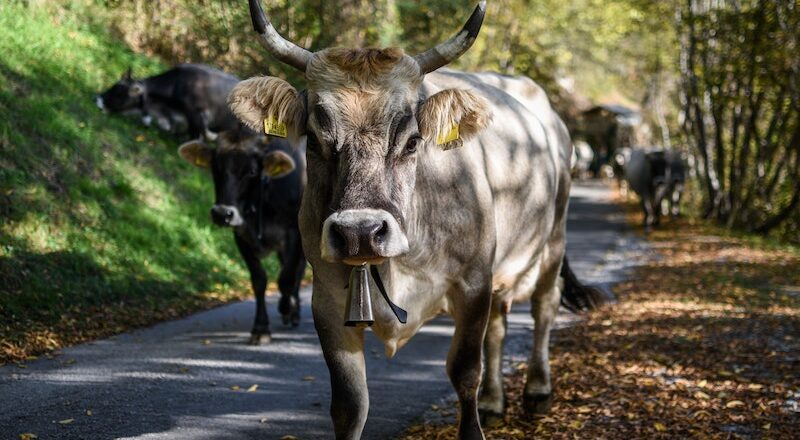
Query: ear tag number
[(448, 136), (275, 127)]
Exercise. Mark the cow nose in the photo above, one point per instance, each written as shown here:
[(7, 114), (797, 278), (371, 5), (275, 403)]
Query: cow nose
[(222, 215), (363, 239), (362, 236)]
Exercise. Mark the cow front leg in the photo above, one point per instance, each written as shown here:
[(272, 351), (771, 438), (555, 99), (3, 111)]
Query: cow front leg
[(260, 333), (464, 363), (292, 272), (492, 401), (343, 348), (538, 394)]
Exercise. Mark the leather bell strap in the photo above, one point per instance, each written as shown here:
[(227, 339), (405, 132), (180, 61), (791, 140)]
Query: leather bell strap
[(401, 314)]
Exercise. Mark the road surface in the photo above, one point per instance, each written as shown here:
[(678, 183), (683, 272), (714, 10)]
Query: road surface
[(195, 378)]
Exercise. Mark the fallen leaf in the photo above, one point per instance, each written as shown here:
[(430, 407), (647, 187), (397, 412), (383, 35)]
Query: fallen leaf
[(206, 342), (66, 421), (88, 412), (734, 404), (702, 383), (701, 395), (236, 388), (252, 388), (309, 378), (140, 138), (262, 420), (28, 436), (659, 427), (289, 437)]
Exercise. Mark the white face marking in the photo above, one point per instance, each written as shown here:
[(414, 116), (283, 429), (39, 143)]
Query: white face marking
[(147, 120), (210, 135), (100, 104)]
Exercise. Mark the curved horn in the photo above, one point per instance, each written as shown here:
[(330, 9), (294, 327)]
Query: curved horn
[(279, 47), (453, 48)]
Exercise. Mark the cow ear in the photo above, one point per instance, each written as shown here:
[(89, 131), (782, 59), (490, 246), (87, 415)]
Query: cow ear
[(269, 105), (453, 116), (128, 75), (196, 153), (278, 164), (136, 89)]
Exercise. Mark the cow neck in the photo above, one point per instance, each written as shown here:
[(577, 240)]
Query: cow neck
[(398, 311), (260, 206)]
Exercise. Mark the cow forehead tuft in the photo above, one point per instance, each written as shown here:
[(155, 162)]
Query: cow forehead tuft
[(364, 69)]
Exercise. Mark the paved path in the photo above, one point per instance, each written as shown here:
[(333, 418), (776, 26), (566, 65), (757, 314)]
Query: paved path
[(175, 380)]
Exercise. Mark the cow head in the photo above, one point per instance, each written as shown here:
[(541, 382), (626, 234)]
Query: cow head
[(237, 166), (126, 95), (367, 130)]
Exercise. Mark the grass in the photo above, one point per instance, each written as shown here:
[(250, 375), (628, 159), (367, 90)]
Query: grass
[(702, 344), (102, 226)]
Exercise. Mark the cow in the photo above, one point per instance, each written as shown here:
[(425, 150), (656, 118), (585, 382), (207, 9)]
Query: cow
[(258, 185), (190, 95), (453, 188), (582, 157), (676, 182), (656, 176)]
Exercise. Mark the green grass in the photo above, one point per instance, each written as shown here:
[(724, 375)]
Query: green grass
[(102, 226)]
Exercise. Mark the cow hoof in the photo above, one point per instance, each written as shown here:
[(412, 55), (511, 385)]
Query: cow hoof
[(489, 418), (286, 319), (537, 404), (295, 319), (260, 339)]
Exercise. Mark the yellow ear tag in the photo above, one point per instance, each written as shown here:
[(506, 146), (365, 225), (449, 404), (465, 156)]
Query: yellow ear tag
[(448, 136), (275, 127), (201, 162)]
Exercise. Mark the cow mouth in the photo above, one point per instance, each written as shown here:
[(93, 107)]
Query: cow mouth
[(362, 261)]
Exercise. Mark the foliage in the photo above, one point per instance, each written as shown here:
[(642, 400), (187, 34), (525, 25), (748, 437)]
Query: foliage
[(741, 101), (102, 226)]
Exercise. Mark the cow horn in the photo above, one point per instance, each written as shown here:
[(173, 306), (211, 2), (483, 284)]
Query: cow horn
[(279, 47), (453, 48)]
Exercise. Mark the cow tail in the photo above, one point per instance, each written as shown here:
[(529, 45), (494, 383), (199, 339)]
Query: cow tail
[(577, 297)]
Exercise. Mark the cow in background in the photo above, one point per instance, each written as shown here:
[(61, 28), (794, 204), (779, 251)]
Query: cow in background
[(452, 186), (582, 158), (657, 176), (189, 95), (258, 183)]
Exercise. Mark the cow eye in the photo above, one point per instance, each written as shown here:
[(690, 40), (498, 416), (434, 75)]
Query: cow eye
[(412, 144)]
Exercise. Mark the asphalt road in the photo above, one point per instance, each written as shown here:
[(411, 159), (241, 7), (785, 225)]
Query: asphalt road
[(195, 378)]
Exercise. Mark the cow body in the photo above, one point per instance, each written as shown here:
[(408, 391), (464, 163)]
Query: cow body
[(657, 176), (452, 186), (190, 95), (261, 207)]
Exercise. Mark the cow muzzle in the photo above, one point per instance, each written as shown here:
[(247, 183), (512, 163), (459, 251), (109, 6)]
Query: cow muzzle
[(359, 236), (225, 215)]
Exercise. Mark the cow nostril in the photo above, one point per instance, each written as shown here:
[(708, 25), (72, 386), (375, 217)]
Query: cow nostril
[(336, 237), (381, 232)]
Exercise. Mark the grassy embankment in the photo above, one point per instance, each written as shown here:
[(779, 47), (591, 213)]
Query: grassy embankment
[(102, 226), (702, 344)]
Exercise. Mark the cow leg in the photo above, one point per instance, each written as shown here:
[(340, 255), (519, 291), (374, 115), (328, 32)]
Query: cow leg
[(293, 268), (196, 124), (647, 207), (464, 363), (258, 279), (545, 301), (343, 348), (492, 401)]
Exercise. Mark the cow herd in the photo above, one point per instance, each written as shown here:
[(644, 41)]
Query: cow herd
[(451, 188)]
